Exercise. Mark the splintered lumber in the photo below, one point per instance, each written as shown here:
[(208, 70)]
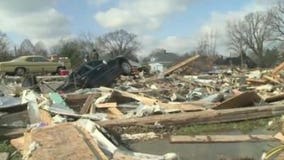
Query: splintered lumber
[(87, 105), (274, 98), (242, 100), (202, 117), (271, 79), (220, 138), (106, 105), (278, 68), (179, 65), (63, 141)]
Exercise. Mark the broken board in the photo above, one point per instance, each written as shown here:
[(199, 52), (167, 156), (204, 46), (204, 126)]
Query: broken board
[(242, 100)]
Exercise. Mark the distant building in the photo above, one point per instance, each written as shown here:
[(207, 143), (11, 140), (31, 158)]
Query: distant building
[(156, 67)]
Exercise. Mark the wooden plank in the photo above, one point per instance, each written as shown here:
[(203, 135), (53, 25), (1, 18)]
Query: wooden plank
[(242, 100), (115, 111), (220, 138), (256, 81), (182, 106), (87, 105), (179, 65), (274, 98), (201, 117), (107, 105), (271, 79), (278, 68), (63, 141)]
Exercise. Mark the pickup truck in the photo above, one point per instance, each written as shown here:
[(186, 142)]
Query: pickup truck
[(30, 64)]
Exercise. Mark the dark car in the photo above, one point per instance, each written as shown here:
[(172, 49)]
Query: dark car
[(96, 73)]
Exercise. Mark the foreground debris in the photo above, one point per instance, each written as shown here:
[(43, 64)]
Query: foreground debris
[(77, 125)]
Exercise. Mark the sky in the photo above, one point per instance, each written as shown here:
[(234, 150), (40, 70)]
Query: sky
[(175, 25)]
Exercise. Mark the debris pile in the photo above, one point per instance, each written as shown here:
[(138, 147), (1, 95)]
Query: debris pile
[(80, 124)]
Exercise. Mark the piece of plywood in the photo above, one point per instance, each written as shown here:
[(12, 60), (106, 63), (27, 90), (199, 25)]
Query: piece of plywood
[(45, 116), (242, 100), (220, 138), (18, 143), (63, 141)]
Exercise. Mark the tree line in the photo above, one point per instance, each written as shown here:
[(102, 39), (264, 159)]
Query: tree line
[(259, 35), (109, 45)]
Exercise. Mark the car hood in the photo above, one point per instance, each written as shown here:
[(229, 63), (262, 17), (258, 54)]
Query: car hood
[(3, 63)]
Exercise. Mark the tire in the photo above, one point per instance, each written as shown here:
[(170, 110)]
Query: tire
[(20, 71), (126, 68)]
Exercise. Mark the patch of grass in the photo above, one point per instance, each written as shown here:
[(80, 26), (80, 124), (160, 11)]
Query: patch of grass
[(244, 127), (5, 146)]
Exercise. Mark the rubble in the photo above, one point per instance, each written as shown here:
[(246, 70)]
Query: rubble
[(81, 124)]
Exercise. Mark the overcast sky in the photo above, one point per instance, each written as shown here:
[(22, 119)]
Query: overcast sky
[(175, 25)]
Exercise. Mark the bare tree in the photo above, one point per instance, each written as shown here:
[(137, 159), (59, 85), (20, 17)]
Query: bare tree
[(40, 49), (207, 44), (277, 20), (26, 48), (118, 43), (251, 32), (236, 42), (4, 47)]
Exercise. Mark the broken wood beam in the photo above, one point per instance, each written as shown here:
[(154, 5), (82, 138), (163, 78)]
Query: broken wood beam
[(202, 117), (87, 105), (278, 68), (179, 65), (271, 79), (220, 138), (274, 98)]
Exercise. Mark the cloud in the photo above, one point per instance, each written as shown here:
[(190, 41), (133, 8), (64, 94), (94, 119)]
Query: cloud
[(34, 19), (179, 45), (139, 15)]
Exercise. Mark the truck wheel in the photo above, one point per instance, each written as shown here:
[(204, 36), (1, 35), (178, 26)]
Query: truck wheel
[(126, 68), (20, 71)]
